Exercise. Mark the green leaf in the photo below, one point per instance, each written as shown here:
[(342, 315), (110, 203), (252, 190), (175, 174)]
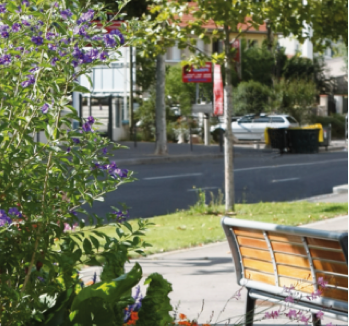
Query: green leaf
[(94, 241), (81, 89), (87, 246), (99, 296), (128, 225)]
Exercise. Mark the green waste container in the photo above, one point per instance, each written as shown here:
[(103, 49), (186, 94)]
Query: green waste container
[(303, 141), (278, 138)]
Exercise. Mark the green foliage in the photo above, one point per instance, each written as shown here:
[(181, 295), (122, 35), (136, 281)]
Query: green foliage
[(180, 94), (156, 304), (44, 185), (251, 97), (337, 124), (294, 97)]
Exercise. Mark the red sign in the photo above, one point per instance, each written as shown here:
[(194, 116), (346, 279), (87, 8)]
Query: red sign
[(236, 45), (218, 91), (199, 75)]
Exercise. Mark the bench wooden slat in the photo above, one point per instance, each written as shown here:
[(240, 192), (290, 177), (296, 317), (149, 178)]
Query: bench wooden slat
[(334, 279), (283, 237), (324, 243), (334, 293), (255, 253), (289, 248), (291, 260), (321, 265), (254, 243), (249, 233), (258, 265), (307, 287), (260, 277), (325, 254), (301, 274)]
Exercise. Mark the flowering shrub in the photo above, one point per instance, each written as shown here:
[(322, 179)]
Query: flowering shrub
[(43, 185)]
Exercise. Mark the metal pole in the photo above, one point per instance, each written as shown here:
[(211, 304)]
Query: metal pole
[(131, 122)]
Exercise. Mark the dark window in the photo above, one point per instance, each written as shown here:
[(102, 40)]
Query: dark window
[(217, 46), (291, 120), (262, 120), (245, 120), (277, 120)]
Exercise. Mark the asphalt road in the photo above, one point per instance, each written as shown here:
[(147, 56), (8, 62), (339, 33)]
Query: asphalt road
[(163, 188)]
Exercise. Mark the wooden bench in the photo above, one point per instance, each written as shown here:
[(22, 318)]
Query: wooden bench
[(270, 257)]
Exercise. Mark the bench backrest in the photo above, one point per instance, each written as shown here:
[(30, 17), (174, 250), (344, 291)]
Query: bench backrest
[(269, 257)]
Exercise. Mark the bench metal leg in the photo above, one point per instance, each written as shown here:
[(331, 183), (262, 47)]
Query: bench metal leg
[(316, 321), (249, 312)]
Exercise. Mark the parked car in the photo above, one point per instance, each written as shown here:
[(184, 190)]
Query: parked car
[(251, 127)]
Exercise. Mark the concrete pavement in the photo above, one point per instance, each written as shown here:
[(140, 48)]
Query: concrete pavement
[(204, 281)]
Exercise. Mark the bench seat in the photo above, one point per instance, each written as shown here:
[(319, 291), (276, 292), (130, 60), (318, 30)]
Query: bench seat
[(272, 261)]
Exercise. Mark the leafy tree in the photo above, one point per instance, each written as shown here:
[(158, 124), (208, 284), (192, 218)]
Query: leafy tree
[(295, 97), (251, 97)]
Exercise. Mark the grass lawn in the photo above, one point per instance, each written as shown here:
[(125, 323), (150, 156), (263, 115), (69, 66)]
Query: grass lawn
[(201, 224)]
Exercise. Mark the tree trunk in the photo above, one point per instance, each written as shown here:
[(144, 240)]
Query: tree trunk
[(228, 136), (160, 109)]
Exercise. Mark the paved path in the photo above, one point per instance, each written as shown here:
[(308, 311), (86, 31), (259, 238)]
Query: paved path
[(205, 275)]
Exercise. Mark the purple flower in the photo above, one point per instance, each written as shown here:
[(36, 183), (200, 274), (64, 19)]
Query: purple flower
[(73, 212), (38, 40), (75, 63), (14, 211), (76, 140), (52, 47), (41, 279), (304, 319), (289, 299), (4, 31), (2, 8), (66, 13), (19, 48), (44, 108), (61, 53), (322, 282), (87, 16), (96, 38), (25, 22), (77, 53), (103, 55), (80, 30), (33, 69), (91, 120), (319, 315), (50, 35), (109, 41), (53, 61), (93, 53), (26, 3), (114, 171), (29, 81), (121, 216), (40, 22), (65, 40), (87, 127), (5, 59), (87, 58), (292, 314), (104, 151), (118, 33), (68, 150), (4, 218), (16, 27)]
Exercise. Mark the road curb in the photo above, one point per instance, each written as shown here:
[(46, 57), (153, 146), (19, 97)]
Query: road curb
[(340, 189)]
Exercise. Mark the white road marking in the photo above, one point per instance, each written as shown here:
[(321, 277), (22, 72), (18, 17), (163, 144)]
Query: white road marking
[(204, 188), (288, 165), (284, 180), (174, 176)]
